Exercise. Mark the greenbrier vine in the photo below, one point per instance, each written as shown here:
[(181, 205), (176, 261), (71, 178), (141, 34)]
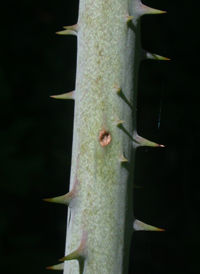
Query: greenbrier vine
[(100, 201)]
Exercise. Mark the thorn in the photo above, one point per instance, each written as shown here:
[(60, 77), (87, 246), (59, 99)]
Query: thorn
[(148, 10), (64, 199), (122, 159), (56, 267), (138, 226), (80, 253), (128, 18), (75, 255), (117, 89), (118, 122), (140, 141), (67, 32), (158, 145), (149, 55), (73, 27), (69, 95)]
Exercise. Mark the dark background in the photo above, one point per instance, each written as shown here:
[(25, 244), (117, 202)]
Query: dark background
[(36, 136)]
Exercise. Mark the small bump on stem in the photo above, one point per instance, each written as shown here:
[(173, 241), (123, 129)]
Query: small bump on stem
[(128, 18), (117, 89), (118, 122), (122, 159)]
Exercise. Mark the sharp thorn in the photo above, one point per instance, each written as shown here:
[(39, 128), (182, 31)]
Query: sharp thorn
[(128, 18), (73, 27), (122, 159), (75, 255), (158, 145), (80, 253), (149, 55), (143, 9), (140, 141), (67, 32), (64, 199), (69, 95), (119, 122), (138, 226), (56, 267), (117, 89)]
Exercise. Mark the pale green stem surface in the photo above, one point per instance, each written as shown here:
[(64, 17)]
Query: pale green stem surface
[(109, 54)]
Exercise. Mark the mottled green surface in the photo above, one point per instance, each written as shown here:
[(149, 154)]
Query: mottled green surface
[(36, 137), (101, 204)]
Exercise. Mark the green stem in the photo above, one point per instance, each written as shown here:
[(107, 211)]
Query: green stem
[(100, 214)]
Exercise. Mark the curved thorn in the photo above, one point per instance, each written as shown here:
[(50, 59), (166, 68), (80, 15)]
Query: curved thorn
[(138, 226), (68, 95), (56, 267)]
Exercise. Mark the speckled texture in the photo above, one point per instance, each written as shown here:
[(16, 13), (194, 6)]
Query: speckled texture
[(108, 56)]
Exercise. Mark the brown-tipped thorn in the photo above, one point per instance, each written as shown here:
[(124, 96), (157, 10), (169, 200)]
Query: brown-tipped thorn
[(80, 253), (153, 56), (160, 145), (140, 141), (66, 32), (138, 226), (64, 199), (148, 10), (69, 95), (56, 267)]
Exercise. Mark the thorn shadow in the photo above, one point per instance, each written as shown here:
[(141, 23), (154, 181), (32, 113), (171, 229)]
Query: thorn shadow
[(122, 95)]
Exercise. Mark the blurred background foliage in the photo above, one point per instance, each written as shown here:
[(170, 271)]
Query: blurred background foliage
[(36, 136)]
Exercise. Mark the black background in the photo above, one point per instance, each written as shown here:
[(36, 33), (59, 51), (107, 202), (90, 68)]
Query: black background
[(36, 136)]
